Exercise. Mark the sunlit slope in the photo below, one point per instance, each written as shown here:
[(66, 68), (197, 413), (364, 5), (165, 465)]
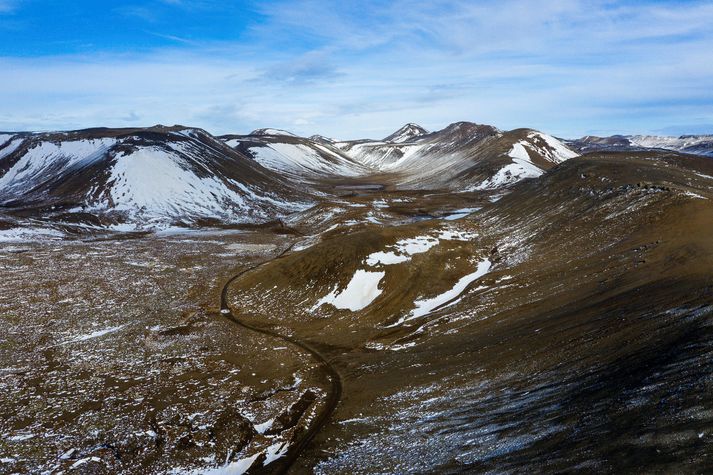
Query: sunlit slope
[(141, 177)]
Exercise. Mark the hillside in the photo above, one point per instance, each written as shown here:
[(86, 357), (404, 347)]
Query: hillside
[(551, 325), (140, 178), (296, 157), (461, 157), (518, 306)]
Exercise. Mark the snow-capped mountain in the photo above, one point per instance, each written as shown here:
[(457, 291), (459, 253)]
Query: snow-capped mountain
[(462, 156), (530, 157), (407, 133), (141, 177), (322, 139), (160, 176), (387, 156), (269, 131), (294, 156), (693, 144)]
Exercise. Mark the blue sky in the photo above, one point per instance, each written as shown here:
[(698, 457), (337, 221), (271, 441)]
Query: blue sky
[(358, 68)]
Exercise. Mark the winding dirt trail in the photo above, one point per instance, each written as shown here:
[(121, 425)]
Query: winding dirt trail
[(335, 390)]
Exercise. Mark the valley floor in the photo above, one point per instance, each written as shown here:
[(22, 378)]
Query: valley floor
[(567, 326)]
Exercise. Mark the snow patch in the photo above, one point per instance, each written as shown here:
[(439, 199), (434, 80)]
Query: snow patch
[(274, 452), (238, 467), (426, 306), (405, 248), (91, 336), (694, 195), (29, 234), (358, 294), (557, 152), (265, 426)]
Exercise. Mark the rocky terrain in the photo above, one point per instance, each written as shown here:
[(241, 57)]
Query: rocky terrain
[(463, 300)]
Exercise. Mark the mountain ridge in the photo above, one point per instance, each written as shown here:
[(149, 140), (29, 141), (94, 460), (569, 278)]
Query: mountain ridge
[(689, 143), (133, 178)]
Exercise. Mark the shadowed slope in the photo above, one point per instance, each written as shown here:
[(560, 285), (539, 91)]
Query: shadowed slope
[(595, 306)]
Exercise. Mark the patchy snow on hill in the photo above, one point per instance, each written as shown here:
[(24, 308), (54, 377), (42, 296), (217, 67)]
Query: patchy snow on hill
[(155, 183), (381, 155), (426, 306), (522, 166), (554, 150), (654, 141), (300, 158), (405, 248), (47, 159), (698, 144), (6, 148)]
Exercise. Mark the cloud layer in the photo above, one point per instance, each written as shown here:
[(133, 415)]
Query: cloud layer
[(361, 69)]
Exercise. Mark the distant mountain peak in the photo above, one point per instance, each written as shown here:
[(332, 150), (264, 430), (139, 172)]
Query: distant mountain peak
[(268, 131), (322, 139), (693, 144), (406, 133)]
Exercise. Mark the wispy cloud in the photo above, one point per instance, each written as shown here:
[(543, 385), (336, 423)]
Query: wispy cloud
[(7, 6), (363, 68), (137, 11), (311, 67), (174, 38)]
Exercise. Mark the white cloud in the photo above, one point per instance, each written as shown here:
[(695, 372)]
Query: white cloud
[(568, 67)]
